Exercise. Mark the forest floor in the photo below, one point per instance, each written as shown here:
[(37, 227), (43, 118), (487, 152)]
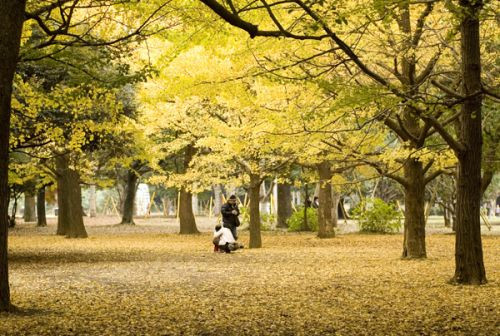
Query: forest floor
[(147, 280)]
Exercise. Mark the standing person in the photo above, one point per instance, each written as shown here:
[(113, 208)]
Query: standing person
[(230, 213)]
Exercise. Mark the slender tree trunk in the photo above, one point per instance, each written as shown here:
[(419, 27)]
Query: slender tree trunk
[(446, 216), (11, 18), (69, 200), (29, 208), (469, 265), (217, 199), (12, 222), (40, 207), (187, 220), (166, 205), (62, 201), (186, 215), (128, 204), (92, 201), (325, 224), (305, 222), (254, 194), (414, 224), (284, 204)]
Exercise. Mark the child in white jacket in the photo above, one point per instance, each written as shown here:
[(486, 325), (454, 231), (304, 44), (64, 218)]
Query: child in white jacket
[(224, 240)]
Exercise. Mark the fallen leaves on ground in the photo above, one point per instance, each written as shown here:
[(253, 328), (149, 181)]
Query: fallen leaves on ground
[(144, 282)]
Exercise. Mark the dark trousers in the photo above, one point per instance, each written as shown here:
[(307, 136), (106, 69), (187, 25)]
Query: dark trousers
[(228, 247)]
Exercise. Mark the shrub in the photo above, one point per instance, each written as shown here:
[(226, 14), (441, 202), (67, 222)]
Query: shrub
[(266, 220), (296, 221), (244, 216), (377, 216)]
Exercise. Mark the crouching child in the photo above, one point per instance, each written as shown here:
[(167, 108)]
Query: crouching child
[(224, 240)]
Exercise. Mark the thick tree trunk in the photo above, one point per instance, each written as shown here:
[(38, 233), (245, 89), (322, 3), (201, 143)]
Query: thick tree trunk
[(254, 194), (284, 204), (11, 18), (128, 204), (29, 208), (325, 224), (469, 265), (69, 199), (186, 215), (414, 224), (92, 201), (40, 208)]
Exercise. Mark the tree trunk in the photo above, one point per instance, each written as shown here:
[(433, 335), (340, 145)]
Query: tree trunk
[(166, 205), (186, 215), (284, 204), (414, 224), (40, 207), (255, 237), (305, 222), (217, 199), (92, 201), (128, 204), (469, 265), (29, 208), (325, 224), (12, 221), (69, 199), (12, 18), (446, 216)]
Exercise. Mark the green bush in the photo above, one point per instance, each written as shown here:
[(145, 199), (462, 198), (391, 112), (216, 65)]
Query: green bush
[(377, 216), (296, 221), (266, 220), (244, 216)]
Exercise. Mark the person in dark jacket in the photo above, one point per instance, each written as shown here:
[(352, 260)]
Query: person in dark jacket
[(230, 213)]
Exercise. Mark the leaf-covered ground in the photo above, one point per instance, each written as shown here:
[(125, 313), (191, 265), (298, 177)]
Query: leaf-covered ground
[(141, 281)]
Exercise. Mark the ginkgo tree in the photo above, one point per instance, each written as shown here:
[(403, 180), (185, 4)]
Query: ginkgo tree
[(320, 21)]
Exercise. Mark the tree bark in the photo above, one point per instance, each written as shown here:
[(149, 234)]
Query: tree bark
[(186, 215), (414, 223), (325, 224), (12, 18), (469, 265), (284, 204), (187, 220), (40, 208), (92, 201), (29, 207), (69, 200), (13, 214), (254, 194), (217, 199), (128, 204)]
